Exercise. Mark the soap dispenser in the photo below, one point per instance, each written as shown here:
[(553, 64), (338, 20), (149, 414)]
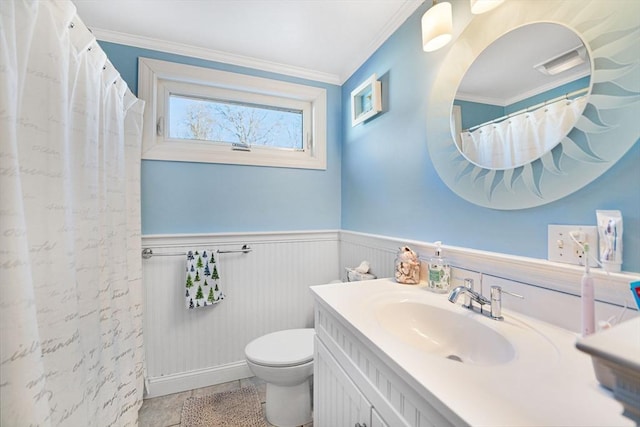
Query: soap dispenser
[(439, 271)]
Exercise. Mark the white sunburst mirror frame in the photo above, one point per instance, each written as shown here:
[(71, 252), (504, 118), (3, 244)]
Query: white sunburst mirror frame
[(607, 129)]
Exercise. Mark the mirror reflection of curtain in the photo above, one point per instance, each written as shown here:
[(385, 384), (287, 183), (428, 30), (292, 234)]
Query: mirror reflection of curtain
[(524, 137), (70, 267)]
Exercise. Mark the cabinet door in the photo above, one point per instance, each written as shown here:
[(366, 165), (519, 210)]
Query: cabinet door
[(337, 400), (376, 419)]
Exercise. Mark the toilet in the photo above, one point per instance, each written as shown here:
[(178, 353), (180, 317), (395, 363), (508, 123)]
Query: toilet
[(284, 360)]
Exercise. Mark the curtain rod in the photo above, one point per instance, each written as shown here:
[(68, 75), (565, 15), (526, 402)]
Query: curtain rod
[(534, 107), (148, 252)]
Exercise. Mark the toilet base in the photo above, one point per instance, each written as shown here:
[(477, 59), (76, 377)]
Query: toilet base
[(289, 406)]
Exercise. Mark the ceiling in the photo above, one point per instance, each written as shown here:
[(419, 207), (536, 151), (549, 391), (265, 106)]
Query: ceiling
[(504, 72), (326, 40)]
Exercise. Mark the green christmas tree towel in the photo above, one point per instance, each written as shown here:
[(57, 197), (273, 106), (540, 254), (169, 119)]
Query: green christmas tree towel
[(202, 279)]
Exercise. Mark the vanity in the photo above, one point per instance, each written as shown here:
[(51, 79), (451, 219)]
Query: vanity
[(398, 355)]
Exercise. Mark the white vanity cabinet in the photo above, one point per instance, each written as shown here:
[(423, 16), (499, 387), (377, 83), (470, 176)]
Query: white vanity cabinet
[(373, 365), (353, 387), (338, 400)]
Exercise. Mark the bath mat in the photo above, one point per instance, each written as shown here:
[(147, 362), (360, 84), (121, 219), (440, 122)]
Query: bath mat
[(235, 408)]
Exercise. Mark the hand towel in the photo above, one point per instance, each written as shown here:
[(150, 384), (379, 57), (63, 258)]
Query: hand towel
[(202, 279)]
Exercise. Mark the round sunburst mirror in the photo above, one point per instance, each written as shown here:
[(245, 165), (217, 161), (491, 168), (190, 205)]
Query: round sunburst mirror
[(604, 126), (507, 113)]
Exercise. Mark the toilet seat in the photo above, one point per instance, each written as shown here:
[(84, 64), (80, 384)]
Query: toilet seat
[(290, 347)]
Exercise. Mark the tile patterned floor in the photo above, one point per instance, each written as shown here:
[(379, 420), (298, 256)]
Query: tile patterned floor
[(165, 411)]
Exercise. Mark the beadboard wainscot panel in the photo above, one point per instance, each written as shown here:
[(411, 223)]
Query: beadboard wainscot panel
[(358, 247), (266, 290), (542, 280)]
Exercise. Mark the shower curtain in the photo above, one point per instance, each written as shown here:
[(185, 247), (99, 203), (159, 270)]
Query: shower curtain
[(524, 137), (70, 285)]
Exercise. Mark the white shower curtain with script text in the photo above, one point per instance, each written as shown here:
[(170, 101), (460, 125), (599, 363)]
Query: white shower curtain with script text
[(70, 268)]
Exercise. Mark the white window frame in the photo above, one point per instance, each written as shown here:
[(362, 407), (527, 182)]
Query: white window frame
[(158, 79)]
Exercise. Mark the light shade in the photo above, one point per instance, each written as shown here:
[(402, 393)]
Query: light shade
[(482, 6), (437, 27)]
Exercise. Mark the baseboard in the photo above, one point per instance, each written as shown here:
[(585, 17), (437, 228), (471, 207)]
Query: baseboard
[(175, 383)]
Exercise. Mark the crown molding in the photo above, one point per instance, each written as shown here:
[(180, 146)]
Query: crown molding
[(213, 55), (407, 9), (463, 96)]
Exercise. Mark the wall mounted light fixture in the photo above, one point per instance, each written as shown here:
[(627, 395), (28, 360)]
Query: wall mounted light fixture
[(437, 26), (437, 22)]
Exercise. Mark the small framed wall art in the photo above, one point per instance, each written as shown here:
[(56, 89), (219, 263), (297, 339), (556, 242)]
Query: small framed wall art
[(366, 100)]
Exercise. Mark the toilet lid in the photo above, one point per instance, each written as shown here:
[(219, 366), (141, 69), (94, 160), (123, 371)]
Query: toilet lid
[(283, 348)]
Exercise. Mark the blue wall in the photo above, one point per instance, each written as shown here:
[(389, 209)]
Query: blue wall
[(390, 187), (182, 197), (475, 113), (379, 177)]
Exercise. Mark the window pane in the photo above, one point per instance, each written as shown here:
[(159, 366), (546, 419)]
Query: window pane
[(246, 124)]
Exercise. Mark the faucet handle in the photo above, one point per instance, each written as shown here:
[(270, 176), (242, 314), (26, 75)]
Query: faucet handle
[(496, 301), (468, 302), (509, 293)]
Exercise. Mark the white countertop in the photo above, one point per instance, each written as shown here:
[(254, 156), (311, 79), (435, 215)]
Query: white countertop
[(548, 383)]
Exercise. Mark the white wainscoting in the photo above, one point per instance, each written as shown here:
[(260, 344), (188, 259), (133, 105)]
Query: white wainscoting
[(266, 290)]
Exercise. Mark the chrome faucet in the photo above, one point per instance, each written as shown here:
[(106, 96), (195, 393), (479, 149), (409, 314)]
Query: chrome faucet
[(468, 302), (495, 303), (473, 296)]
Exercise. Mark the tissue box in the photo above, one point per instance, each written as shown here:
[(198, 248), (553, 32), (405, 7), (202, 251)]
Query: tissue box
[(618, 351), (354, 276)]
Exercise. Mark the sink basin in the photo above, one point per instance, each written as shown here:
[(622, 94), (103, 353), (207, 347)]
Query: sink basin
[(452, 335)]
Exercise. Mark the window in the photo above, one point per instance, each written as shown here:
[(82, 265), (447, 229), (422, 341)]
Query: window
[(238, 124), (201, 115)]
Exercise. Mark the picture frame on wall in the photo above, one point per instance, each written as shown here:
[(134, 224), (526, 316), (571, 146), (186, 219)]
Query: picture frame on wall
[(366, 100)]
